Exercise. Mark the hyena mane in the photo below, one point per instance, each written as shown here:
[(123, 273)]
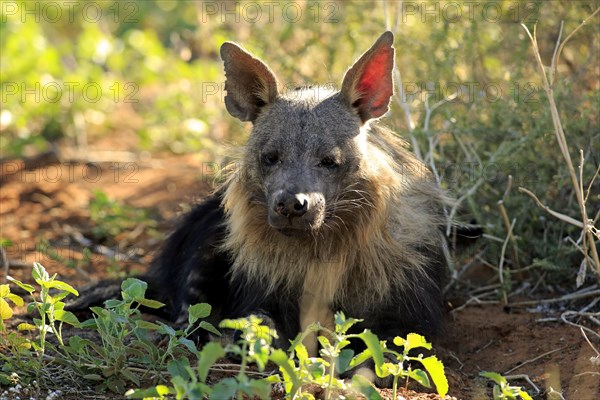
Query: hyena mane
[(382, 233)]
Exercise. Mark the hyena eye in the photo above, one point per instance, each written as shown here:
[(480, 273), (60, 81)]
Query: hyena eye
[(270, 159), (328, 162)]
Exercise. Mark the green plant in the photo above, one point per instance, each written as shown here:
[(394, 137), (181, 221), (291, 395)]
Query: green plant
[(21, 360), (254, 346), (336, 358), (127, 352), (111, 218), (50, 308), (502, 390)]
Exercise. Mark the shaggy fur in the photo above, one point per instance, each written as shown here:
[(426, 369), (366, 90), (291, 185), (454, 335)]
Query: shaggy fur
[(369, 240)]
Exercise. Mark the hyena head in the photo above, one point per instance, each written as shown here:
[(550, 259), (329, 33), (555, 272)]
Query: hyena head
[(304, 161)]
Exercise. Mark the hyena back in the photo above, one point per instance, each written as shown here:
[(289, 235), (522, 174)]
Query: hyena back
[(325, 211)]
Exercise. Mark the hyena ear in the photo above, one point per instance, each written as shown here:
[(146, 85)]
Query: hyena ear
[(368, 86), (249, 83)]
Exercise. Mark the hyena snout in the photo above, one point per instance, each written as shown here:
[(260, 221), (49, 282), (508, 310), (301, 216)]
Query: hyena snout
[(296, 210), (290, 204)]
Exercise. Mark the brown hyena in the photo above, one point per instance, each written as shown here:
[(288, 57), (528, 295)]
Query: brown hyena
[(325, 211)]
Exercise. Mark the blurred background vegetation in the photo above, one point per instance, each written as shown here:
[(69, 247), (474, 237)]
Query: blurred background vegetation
[(76, 74)]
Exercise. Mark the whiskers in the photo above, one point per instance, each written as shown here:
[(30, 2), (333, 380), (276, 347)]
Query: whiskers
[(348, 209)]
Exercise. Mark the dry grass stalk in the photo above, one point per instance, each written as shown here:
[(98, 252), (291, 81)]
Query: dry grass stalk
[(548, 82)]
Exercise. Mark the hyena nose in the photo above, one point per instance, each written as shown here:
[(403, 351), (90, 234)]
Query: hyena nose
[(291, 205)]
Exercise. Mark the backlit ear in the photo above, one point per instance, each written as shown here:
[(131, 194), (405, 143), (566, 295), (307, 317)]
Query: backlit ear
[(249, 83), (368, 85)]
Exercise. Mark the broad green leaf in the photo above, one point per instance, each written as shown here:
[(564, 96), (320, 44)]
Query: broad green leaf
[(280, 358), (147, 325), (389, 368), (199, 311), (301, 352), (16, 299), (414, 340), (420, 376), (127, 373), (67, 317), (342, 324), (5, 311), (210, 353), (4, 290), (26, 327), (62, 286), (26, 287), (435, 368), (260, 388), (135, 288), (209, 327), (343, 360), (180, 369), (524, 395), (159, 392), (190, 344), (324, 341), (153, 304), (39, 273), (225, 389), (375, 347), (365, 387), (89, 324), (360, 358), (496, 377)]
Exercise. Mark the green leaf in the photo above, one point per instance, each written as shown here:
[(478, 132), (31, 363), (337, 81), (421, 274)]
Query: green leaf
[(225, 389), (26, 327), (93, 377), (180, 368), (39, 273), (342, 324), (360, 358), (524, 395), (17, 300), (260, 388), (147, 325), (67, 317), (62, 286), (89, 324), (26, 287), (153, 304), (414, 340), (280, 358), (343, 360), (5, 311), (4, 290), (420, 376), (189, 344), (127, 373), (496, 377), (365, 387), (209, 327), (325, 343), (436, 370), (301, 352), (134, 288), (198, 311), (210, 353), (159, 392), (113, 303), (376, 349)]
